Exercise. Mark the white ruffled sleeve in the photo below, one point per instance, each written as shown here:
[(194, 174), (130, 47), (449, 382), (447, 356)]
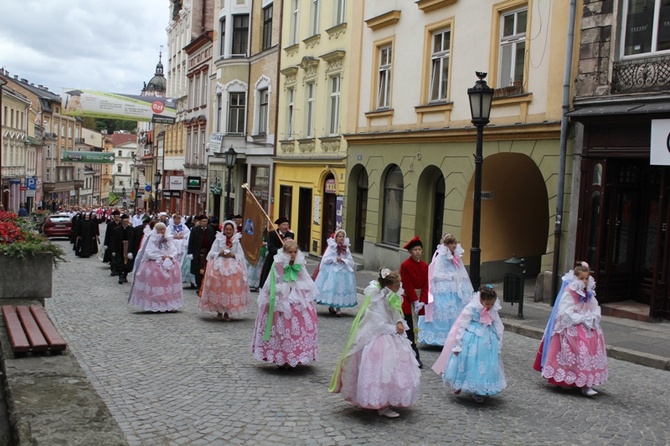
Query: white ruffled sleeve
[(216, 248), (153, 252), (463, 321)]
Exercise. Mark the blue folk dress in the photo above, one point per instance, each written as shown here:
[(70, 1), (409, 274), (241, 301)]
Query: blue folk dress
[(336, 281)]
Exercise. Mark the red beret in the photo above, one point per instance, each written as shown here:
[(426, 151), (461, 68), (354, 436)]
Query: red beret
[(412, 243)]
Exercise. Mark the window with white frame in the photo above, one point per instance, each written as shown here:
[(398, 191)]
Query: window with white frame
[(309, 124), (204, 83), (512, 48), (222, 36), (334, 109), (384, 78), (267, 27), (339, 11), (439, 65), (392, 212), (314, 20), (291, 107), (240, 34), (236, 107), (646, 27), (219, 106), (295, 20), (119, 168), (264, 99)]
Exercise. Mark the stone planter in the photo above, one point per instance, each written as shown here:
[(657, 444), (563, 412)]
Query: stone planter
[(27, 278)]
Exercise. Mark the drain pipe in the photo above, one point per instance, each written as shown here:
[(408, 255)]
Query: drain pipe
[(567, 76)]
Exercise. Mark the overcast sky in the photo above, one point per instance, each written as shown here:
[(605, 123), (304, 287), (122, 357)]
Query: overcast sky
[(108, 45)]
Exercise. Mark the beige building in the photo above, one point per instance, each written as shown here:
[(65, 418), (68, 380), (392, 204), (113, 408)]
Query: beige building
[(243, 102), (410, 169), (319, 85), (15, 114)]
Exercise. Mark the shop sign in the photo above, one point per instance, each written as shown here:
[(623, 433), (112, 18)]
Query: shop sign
[(193, 183), (660, 142), (331, 187)]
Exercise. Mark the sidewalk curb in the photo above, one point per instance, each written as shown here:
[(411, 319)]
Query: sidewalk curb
[(623, 354)]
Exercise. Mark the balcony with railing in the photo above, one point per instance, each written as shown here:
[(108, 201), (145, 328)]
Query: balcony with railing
[(647, 75)]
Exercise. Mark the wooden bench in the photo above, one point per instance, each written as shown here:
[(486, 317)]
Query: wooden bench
[(30, 330)]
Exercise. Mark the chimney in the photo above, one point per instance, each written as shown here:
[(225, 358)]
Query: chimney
[(24, 80), (16, 77)]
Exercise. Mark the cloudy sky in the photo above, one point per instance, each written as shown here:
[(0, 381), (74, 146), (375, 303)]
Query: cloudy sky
[(109, 45)]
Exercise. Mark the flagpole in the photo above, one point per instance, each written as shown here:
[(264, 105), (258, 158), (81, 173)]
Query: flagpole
[(246, 187)]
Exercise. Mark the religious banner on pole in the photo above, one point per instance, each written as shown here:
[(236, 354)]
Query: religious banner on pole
[(253, 223)]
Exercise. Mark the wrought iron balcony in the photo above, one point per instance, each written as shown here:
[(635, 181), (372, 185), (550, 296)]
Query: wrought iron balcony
[(648, 75)]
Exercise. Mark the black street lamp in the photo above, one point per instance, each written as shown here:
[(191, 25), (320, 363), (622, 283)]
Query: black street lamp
[(123, 195), (480, 96), (231, 157), (137, 190), (157, 181)]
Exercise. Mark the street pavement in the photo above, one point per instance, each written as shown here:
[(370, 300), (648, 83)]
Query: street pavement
[(187, 378)]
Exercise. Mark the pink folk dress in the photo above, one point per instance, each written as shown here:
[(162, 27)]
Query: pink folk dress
[(157, 282), (287, 298), (378, 367), (576, 355), (225, 288)]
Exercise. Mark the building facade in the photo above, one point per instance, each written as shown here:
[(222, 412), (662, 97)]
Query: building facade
[(410, 168), (621, 103), (319, 81), (15, 115)]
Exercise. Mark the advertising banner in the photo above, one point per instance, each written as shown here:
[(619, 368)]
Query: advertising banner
[(100, 104), (87, 157)]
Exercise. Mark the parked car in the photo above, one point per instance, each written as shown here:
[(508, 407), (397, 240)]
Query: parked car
[(57, 225)]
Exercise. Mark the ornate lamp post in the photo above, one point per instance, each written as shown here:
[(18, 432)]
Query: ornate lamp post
[(231, 158), (157, 182), (137, 190), (480, 96)]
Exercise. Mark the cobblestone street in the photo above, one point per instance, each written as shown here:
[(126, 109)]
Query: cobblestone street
[(189, 379)]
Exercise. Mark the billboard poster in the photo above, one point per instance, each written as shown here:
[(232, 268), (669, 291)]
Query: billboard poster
[(100, 104)]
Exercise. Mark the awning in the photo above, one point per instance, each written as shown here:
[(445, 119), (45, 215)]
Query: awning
[(604, 109)]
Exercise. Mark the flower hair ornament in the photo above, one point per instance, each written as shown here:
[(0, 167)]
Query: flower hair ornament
[(384, 272), (586, 265)]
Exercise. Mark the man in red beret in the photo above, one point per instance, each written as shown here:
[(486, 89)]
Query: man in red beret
[(414, 275)]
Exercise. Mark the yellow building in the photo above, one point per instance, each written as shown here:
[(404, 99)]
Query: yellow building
[(411, 169), (320, 43)]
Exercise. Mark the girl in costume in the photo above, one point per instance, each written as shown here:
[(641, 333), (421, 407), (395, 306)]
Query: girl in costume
[(378, 369), (470, 360), (157, 281), (336, 281), (449, 291), (286, 325), (572, 352), (225, 288)]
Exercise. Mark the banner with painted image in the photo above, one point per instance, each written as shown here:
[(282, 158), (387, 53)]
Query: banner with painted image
[(100, 104), (253, 223)]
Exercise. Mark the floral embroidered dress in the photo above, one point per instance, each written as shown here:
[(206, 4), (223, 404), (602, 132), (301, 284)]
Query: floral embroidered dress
[(180, 234), (449, 291), (378, 367), (476, 336), (286, 331), (225, 288), (157, 282), (336, 280), (576, 354)]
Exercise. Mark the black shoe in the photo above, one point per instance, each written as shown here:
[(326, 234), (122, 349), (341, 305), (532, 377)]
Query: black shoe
[(125, 279), (420, 363), (113, 274), (120, 280)]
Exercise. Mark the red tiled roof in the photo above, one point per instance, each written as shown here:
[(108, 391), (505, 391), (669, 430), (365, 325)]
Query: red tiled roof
[(122, 138)]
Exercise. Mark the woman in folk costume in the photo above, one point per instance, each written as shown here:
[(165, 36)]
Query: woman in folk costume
[(225, 288), (286, 331), (378, 369), (470, 360), (572, 352), (157, 282), (449, 291), (336, 281), (180, 234)]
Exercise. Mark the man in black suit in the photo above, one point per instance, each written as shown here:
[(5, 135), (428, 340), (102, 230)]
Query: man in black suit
[(114, 223), (200, 241), (121, 240), (275, 243)]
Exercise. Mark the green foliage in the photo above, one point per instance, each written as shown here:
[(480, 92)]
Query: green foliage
[(112, 125), (31, 245)]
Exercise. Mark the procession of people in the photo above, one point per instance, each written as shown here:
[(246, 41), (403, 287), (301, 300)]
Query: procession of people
[(163, 254)]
